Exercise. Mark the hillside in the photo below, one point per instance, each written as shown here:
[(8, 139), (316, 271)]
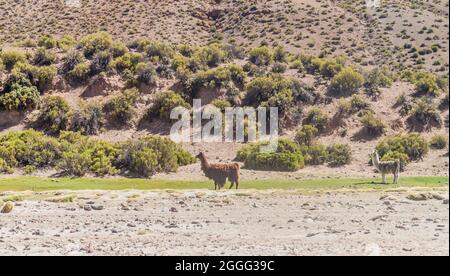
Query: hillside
[(400, 33), (346, 81)]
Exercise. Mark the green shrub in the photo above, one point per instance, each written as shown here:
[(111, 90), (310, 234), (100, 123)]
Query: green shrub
[(261, 89), (352, 105), (221, 104), (218, 77), (54, 115), (279, 68), (373, 125), (88, 119), (424, 113), (211, 55), (297, 65), (317, 118), (315, 154), (261, 56), (280, 55), (339, 155), (47, 42), (66, 42), (303, 93), (76, 155), (346, 82), (427, 83), (102, 157), (121, 110), (152, 154), (11, 57), (283, 100), (306, 135), (128, 61), (330, 68), (75, 163), (378, 78), (439, 141), (413, 145), (4, 167), (164, 103), (118, 49), (146, 74), (81, 155), (100, 62), (19, 98), (29, 148), (288, 157), (39, 76), (159, 50), (70, 60), (80, 73), (43, 57), (95, 43)]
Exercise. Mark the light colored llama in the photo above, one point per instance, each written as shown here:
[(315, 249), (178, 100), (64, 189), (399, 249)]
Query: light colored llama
[(386, 167)]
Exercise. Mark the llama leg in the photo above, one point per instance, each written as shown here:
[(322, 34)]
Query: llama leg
[(215, 186), (384, 178), (237, 185), (231, 185)]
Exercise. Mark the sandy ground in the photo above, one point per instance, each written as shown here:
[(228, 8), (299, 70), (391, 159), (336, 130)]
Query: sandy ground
[(228, 223)]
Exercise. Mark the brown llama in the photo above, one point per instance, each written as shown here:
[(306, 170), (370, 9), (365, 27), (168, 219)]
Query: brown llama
[(220, 172)]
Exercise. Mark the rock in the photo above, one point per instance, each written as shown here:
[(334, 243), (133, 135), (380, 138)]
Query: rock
[(438, 197), (418, 197), (173, 209), (445, 201), (381, 217), (97, 207), (125, 207), (7, 208), (87, 208)]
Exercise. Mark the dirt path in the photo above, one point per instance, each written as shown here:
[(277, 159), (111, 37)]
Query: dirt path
[(242, 223)]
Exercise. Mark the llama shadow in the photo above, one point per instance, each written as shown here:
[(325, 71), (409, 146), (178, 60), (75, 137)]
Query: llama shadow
[(371, 183)]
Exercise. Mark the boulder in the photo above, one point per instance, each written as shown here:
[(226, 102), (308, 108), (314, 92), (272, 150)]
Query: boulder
[(7, 208)]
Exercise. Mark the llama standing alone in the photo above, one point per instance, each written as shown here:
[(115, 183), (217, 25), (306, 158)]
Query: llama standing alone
[(386, 167), (220, 172)]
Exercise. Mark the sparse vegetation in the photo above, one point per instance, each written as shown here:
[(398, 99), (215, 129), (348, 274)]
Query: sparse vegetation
[(54, 115), (373, 125), (439, 141), (77, 155), (287, 157), (121, 108), (413, 145), (164, 104), (339, 155), (347, 82)]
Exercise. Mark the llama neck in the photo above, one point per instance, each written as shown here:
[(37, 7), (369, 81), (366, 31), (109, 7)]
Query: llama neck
[(204, 162), (376, 160)]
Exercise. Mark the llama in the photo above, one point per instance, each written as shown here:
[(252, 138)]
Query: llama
[(386, 167), (220, 172)]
